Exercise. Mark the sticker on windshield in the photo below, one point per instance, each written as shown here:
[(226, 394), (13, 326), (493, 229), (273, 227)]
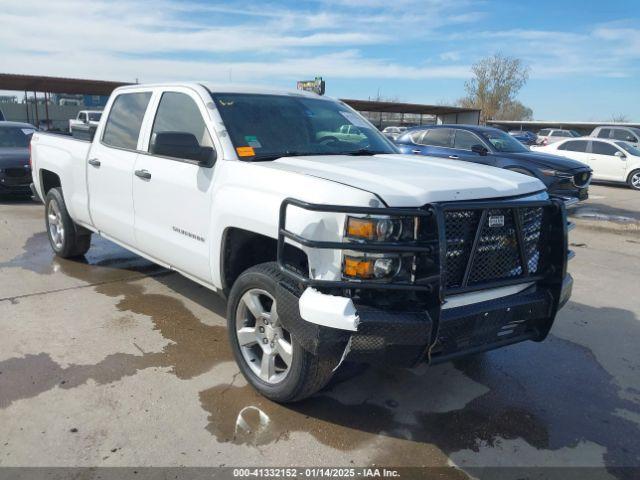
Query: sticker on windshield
[(28, 131), (252, 141), (245, 151), (355, 119)]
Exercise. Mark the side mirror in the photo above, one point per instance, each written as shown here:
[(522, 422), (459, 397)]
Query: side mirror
[(182, 145), (620, 155), (480, 150)]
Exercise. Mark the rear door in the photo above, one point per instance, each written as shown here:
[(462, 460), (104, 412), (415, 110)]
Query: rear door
[(576, 150), (604, 162), (110, 170), (437, 142), (173, 203)]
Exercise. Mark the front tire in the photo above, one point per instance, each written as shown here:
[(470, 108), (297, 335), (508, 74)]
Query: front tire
[(634, 180), (62, 231), (269, 357)]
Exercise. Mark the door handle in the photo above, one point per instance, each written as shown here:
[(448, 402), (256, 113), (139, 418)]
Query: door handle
[(454, 157), (94, 161), (416, 151), (143, 174)]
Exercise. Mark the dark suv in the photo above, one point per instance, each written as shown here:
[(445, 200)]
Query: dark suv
[(563, 177)]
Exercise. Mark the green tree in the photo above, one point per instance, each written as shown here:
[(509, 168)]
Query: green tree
[(496, 82)]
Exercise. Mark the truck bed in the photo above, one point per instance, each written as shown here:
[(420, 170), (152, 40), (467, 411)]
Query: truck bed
[(66, 157)]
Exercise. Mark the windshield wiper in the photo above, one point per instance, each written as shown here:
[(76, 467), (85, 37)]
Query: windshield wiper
[(275, 156), (362, 151)]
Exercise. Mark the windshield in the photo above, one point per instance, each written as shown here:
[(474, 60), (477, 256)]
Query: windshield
[(629, 148), (15, 137), (574, 133), (503, 142), (266, 127), (94, 117)]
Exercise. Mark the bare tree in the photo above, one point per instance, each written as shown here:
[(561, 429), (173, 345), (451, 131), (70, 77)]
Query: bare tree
[(620, 118), (515, 111), (494, 86)]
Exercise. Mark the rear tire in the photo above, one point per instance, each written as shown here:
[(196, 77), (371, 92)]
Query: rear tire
[(634, 180), (294, 375), (64, 235)]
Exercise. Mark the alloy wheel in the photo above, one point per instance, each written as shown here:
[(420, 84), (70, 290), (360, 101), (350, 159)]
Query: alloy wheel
[(264, 343), (56, 227)]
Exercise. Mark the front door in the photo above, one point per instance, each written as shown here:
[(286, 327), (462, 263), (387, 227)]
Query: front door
[(464, 141), (110, 170), (604, 162), (172, 196)]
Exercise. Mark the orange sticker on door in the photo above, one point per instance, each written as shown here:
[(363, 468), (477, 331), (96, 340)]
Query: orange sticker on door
[(245, 151)]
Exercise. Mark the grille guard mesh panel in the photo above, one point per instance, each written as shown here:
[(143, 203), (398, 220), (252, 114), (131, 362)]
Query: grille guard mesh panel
[(492, 244)]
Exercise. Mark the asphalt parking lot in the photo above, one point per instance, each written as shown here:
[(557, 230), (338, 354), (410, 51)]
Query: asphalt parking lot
[(113, 361)]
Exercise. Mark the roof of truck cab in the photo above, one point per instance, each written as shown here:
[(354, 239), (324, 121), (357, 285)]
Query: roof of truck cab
[(229, 88)]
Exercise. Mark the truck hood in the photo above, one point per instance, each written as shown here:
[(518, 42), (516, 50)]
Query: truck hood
[(13, 157), (410, 180), (547, 160)]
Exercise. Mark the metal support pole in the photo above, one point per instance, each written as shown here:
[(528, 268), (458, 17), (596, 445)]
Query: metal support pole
[(35, 105), (26, 105), (46, 109)]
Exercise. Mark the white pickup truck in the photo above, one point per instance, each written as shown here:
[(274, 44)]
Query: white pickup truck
[(327, 250), (89, 118)]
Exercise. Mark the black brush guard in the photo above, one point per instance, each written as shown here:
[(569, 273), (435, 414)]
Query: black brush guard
[(423, 330)]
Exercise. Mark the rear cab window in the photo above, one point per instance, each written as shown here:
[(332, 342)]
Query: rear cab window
[(125, 120)]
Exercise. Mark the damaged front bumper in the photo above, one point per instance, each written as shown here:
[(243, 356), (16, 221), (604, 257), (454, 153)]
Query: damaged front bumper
[(328, 319), (405, 337)]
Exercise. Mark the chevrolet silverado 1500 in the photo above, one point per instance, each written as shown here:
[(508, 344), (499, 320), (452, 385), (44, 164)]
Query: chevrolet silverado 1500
[(326, 250)]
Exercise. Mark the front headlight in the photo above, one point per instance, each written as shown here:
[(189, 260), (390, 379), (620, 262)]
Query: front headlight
[(380, 229), (367, 267), (549, 172), (377, 266)]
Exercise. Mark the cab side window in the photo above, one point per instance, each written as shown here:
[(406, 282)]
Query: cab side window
[(604, 133), (624, 135), (178, 113), (125, 119)]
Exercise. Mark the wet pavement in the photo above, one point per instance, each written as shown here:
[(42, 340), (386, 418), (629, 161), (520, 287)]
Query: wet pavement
[(114, 361)]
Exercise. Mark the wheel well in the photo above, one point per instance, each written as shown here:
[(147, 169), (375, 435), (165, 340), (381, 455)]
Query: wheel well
[(242, 249), (49, 180)]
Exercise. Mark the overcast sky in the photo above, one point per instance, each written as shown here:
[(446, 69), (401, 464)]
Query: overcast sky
[(584, 55)]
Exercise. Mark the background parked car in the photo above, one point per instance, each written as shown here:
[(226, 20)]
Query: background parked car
[(15, 171), (393, 132), (624, 134), (563, 177), (85, 117), (551, 135), (610, 160), (345, 133), (524, 136)]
